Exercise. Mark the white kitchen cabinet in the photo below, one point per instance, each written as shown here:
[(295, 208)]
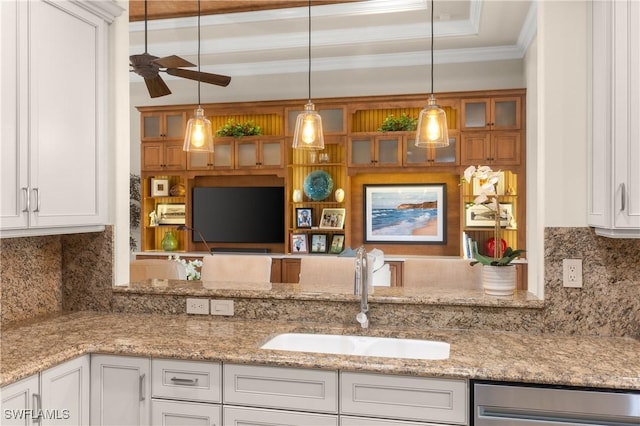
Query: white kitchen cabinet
[(404, 397), (247, 416), (53, 92), (186, 393), (120, 390), (614, 155), (19, 399), (184, 413), (57, 396)]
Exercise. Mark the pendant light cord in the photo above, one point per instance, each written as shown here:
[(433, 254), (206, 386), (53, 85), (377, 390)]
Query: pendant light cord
[(198, 53), (432, 47), (309, 73), (145, 26)]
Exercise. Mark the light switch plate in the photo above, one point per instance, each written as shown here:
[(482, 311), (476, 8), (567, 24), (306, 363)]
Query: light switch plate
[(222, 307)]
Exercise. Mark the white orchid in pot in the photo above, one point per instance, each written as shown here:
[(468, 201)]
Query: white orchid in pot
[(496, 281)]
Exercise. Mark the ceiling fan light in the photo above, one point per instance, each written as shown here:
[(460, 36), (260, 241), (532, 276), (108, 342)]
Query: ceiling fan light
[(308, 132), (432, 131), (199, 135)]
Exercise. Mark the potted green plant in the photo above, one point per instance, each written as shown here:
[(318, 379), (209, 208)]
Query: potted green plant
[(236, 130), (404, 123)]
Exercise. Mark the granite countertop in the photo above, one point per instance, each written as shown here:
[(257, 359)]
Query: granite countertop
[(33, 346), (429, 296)]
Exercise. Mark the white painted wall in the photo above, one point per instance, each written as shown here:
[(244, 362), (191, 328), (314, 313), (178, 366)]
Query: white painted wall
[(562, 111)]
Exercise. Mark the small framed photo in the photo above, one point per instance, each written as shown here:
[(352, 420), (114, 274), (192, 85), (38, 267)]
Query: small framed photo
[(159, 187), (318, 243), (481, 216), (170, 214), (337, 244), (332, 219), (304, 217), (299, 243), (499, 189)]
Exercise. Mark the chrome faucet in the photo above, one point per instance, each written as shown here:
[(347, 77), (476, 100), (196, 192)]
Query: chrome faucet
[(361, 285)]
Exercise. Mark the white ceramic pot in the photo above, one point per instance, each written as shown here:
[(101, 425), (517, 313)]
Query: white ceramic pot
[(297, 196), (499, 280), (339, 195)]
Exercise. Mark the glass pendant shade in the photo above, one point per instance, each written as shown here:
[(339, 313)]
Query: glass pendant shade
[(432, 129), (308, 131), (199, 135)]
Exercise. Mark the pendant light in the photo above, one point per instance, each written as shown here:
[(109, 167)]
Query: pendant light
[(199, 136), (308, 131), (432, 122)]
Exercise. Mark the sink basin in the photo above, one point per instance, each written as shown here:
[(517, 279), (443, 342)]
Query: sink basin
[(359, 345)]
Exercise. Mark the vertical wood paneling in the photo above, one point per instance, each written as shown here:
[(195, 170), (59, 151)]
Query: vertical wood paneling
[(271, 124), (371, 120)]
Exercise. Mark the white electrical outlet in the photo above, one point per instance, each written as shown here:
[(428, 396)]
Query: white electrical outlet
[(572, 273), (198, 306)]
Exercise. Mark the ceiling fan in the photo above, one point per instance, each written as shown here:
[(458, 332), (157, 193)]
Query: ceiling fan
[(149, 67)]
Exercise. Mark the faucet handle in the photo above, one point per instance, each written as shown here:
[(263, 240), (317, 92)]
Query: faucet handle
[(362, 319)]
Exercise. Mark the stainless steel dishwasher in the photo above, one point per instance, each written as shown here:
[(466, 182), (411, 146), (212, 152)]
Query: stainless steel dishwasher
[(515, 405)]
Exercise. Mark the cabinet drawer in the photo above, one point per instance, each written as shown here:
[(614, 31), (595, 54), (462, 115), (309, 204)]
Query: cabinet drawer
[(186, 380), (404, 397), (234, 416), (281, 387), (367, 421), (167, 413)]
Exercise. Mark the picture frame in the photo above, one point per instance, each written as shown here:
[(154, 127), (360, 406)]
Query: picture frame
[(405, 213), (477, 189), (299, 243), (332, 218), (304, 217), (480, 216), (159, 187), (318, 243), (171, 214), (337, 244)]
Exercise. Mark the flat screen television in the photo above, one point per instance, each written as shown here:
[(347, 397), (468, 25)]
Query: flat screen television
[(239, 214)]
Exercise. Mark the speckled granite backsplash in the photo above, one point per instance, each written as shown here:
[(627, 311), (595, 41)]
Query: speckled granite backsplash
[(73, 272)]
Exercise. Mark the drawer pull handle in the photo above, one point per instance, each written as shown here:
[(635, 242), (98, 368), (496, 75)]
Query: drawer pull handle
[(190, 382), (623, 193), (141, 388), (27, 200)]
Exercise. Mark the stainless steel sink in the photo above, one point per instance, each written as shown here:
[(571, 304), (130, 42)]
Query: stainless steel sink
[(388, 347)]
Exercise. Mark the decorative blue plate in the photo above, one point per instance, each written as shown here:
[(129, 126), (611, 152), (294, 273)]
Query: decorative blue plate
[(318, 185)]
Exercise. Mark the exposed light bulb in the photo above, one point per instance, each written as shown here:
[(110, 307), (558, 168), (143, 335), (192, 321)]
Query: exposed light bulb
[(308, 131), (198, 135), (433, 126)]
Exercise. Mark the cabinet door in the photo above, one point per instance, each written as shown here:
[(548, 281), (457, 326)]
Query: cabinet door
[(65, 390), (152, 156), (223, 154), (175, 413), (272, 154), (476, 114), (163, 156), (120, 391), (199, 160), (18, 399), (160, 126), (474, 148), (388, 151), (361, 151), (175, 159), (13, 148), (66, 125), (505, 148), (246, 154)]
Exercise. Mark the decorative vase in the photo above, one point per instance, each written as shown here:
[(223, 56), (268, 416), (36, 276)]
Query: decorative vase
[(169, 241), (297, 196), (499, 280), (339, 195)]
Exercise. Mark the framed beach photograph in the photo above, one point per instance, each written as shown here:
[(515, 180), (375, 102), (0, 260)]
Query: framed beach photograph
[(170, 214), (409, 213), (304, 217), (159, 187), (318, 243), (337, 244), (481, 216), (332, 219), (299, 243)]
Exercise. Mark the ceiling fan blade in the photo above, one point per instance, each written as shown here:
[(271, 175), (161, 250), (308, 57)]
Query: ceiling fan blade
[(157, 87), (173, 61), (217, 79)]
